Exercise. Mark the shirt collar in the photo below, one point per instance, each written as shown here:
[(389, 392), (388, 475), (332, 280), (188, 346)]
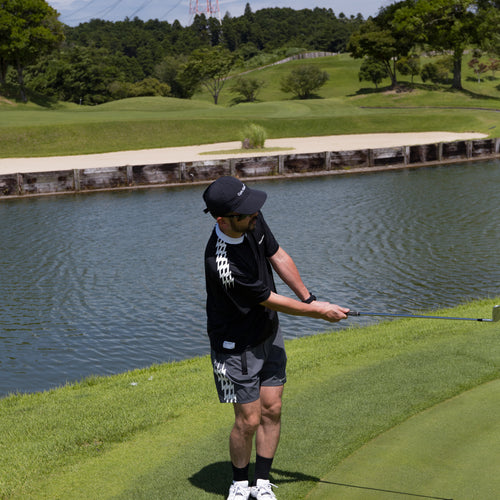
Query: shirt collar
[(227, 239)]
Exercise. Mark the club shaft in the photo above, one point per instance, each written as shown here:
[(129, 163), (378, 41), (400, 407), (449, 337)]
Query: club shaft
[(356, 313)]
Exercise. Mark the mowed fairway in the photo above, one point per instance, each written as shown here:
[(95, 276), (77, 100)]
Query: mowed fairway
[(396, 388), (343, 106), (449, 451)]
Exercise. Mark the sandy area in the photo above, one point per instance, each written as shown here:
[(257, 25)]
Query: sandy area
[(199, 153)]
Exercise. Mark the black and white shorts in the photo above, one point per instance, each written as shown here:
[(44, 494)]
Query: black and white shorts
[(239, 377)]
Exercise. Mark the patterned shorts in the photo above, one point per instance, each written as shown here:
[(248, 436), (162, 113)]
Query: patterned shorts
[(239, 377)]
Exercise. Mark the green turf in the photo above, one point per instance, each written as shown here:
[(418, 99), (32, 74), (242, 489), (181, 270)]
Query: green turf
[(449, 451), (343, 106), (160, 432)]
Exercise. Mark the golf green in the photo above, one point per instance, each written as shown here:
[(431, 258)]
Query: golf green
[(450, 451)]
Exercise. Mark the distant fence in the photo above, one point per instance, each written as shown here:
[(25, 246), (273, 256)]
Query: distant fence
[(272, 166), (295, 57), (305, 55)]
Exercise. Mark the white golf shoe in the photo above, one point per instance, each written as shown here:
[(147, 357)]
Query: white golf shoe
[(262, 490), (239, 490)]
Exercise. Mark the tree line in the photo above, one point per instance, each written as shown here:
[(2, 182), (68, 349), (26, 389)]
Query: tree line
[(99, 60), (102, 60), (393, 40)]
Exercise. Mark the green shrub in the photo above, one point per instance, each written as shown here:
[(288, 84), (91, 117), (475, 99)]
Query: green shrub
[(373, 71), (303, 80), (247, 88), (253, 137), (437, 72)]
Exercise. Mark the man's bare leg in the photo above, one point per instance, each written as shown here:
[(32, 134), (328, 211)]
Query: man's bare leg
[(261, 417), (268, 432), (246, 422)]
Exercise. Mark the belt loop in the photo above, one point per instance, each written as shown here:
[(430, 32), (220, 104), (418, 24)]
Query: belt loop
[(244, 366)]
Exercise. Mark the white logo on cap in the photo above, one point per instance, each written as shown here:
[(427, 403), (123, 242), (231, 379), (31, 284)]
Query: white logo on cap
[(242, 190)]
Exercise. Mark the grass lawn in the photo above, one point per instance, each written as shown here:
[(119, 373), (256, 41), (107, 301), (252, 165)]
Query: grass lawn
[(448, 451), (160, 432), (343, 106)]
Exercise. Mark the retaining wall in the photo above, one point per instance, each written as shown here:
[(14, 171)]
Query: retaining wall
[(275, 166)]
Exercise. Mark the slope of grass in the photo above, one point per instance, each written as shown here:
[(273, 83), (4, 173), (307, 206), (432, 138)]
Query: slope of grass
[(447, 451), (160, 432), (343, 106)]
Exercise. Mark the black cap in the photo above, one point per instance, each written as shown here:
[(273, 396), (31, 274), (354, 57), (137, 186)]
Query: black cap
[(228, 194)]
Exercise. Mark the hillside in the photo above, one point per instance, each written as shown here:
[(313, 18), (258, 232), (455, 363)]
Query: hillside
[(343, 106)]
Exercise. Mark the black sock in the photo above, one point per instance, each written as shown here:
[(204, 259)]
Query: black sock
[(262, 467), (240, 474)]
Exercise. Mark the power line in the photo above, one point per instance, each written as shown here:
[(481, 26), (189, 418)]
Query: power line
[(82, 8), (163, 16), (109, 9), (110, 6), (144, 4)]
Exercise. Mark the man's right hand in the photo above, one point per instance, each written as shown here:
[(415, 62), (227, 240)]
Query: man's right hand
[(330, 312)]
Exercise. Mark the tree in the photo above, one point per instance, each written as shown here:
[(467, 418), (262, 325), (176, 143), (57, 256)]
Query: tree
[(168, 71), (209, 68), (247, 88), (381, 40), (446, 25), (28, 29), (215, 30), (151, 87), (80, 74), (479, 67), (409, 65), (487, 26), (377, 45), (304, 80), (494, 66), (437, 72), (373, 71), (199, 28), (273, 28)]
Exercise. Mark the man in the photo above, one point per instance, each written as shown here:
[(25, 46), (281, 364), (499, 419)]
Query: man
[(247, 348)]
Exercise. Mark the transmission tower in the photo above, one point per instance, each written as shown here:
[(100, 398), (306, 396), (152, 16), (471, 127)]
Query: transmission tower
[(211, 9)]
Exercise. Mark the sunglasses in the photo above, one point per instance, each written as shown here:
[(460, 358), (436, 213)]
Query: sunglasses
[(238, 217)]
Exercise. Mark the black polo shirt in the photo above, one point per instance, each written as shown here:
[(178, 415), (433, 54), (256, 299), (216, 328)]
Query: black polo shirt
[(238, 278)]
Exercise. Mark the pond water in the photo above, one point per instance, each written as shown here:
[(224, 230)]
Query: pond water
[(106, 282)]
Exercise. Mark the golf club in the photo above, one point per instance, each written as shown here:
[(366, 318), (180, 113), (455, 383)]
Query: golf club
[(494, 319)]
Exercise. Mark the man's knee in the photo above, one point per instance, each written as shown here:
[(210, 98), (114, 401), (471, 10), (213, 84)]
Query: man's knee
[(272, 410), (248, 421), (271, 402)]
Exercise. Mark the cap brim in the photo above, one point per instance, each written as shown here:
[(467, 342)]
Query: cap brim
[(252, 203)]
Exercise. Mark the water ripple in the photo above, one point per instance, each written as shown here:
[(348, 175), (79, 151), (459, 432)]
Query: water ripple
[(106, 282)]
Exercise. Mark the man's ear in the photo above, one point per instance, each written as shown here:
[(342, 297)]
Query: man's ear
[(222, 222)]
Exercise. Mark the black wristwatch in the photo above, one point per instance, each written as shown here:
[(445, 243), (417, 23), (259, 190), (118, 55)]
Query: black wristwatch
[(309, 299)]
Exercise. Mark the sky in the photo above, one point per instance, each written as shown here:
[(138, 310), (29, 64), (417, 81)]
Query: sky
[(74, 12)]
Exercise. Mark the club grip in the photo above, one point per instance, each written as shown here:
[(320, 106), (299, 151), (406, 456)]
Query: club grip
[(353, 313)]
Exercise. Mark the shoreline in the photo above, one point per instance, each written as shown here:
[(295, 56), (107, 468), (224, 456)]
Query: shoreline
[(208, 152), (191, 165)]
